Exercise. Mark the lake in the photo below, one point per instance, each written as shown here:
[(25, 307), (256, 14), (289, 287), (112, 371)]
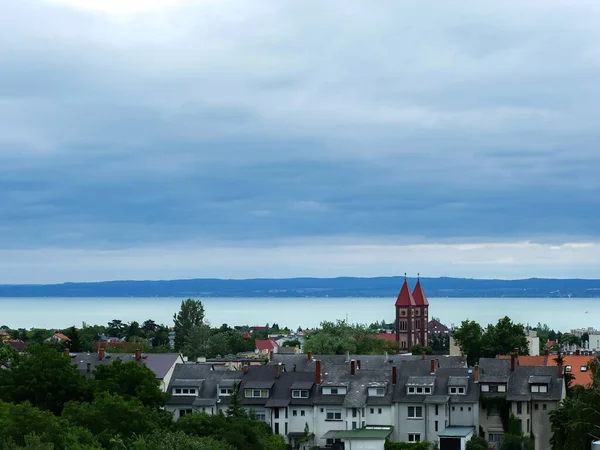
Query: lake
[(559, 313)]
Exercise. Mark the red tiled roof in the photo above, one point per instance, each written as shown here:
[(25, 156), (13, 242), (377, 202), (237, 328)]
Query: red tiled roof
[(62, 336), (265, 344), (575, 362), (550, 344), (387, 336), (419, 295), (405, 298), (246, 335)]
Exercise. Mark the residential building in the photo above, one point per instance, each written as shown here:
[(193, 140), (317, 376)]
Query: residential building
[(594, 342), (162, 364), (436, 328), (265, 346), (533, 342), (530, 391), (58, 337), (412, 316)]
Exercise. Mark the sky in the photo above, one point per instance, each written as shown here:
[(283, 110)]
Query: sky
[(224, 138)]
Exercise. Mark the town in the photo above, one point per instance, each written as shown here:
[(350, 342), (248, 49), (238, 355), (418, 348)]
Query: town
[(412, 383)]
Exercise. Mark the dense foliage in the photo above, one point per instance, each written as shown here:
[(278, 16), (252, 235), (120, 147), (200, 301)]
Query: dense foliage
[(47, 404), (499, 339), (576, 423), (389, 445)]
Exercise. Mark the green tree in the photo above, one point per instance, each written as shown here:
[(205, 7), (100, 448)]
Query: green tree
[(161, 336), (75, 345), (477, 443), (331, 339), (162, 440), (196, 342), (189, 316), (22, 425), (291, 343), (468, 338), (38, 335), (218, 344), (110, 415), (149, 327), (130, 380), (418, 349), (134, 332), (502, 338), (46, 379), (236, 406)]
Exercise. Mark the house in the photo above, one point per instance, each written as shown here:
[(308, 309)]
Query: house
[(436, 328), (412, 312), (577, 365), (162, 364), (386, 336), (288, 350), (58, 337), (265, 346), (4, 336), (367, 438), (259, 329), (16, 344), (530, 392)]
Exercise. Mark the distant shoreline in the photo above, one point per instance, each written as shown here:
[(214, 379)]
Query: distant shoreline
[(343, 287)]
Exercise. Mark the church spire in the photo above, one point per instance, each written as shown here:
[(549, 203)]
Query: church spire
[(405, 298)]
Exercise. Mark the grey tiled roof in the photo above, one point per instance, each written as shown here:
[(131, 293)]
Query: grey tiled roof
[(159, 363), (458, 381)]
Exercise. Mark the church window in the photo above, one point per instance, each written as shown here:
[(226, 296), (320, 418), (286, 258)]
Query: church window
[(403, 324)]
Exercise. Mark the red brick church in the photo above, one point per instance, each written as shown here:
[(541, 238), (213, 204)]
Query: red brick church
[(412, 317)]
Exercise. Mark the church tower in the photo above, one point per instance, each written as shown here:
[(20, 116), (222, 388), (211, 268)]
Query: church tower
[(412, 316)]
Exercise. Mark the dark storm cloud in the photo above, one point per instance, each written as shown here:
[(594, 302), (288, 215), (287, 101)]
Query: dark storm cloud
[(225, 123)]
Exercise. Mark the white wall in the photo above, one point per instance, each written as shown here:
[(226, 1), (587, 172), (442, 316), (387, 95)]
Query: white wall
[(322, 426), (594, 341), (364, 444), (533, 343), (385, 418)]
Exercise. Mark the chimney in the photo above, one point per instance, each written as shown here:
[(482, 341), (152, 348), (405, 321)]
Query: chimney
[(138, 354), (100, 353), (546, 352), (516, 353), (512, 362), (347, 356), (423, 356), (432, 367), (66, 352), (245, 369), (309, 355), (352, 367), (394, 373), (89, 367), (317, 372), (577, 352), (277, 371), (462, 357), (358, 364), (271, 355), (476, 373)]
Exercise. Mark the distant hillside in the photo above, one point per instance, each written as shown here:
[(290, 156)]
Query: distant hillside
[(311, 287)]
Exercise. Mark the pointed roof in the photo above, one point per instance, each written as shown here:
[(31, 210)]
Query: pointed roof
[(405, 298), (419, 295)]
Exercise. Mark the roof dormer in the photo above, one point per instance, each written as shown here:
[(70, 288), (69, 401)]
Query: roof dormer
[(420, 385), (458, 385), (539, 384), (258, 389)]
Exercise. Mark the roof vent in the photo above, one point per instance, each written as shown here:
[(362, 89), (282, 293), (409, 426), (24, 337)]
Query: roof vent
[(107, 356)]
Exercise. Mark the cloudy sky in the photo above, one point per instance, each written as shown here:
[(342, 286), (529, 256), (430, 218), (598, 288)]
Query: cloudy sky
[(155, 139)]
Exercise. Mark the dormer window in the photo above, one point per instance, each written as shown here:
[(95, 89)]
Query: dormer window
[(420, 390), (225, 391), (539, 388), (583, 369), (420, 385), (493, 388), (297, 393), (338, 390), (185, 391), (376, 392), (256, 393), (457, 390)]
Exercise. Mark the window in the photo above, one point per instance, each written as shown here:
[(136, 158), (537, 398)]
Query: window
[(411, 390), (302, 413), (436, 426), (427, 390), (495, 437), (469, 408), (256, 393), (453, 408), (568, 369), (583, 369), (527, 403), (544, 406), (536, 406), (334, 414), (414, 437), (354, 412), (519, 408), (485, 388), (543, 388), (185, 391), (225, 391), (436, 409), (539, 388), (334, 390), (415, 412), (379, 411), (528, 425), (372, 411), (294, 412), (354, 425), (299, 394), (376, 392), (184, 412), (277, 413), (403, 324), (260, 416), (462, 408), (276, 427), (380, 392), (453, 390), (461, 390), (419, 390), (286, 428)]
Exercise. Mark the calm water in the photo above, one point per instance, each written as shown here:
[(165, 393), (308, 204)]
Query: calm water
[(562, 314)]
